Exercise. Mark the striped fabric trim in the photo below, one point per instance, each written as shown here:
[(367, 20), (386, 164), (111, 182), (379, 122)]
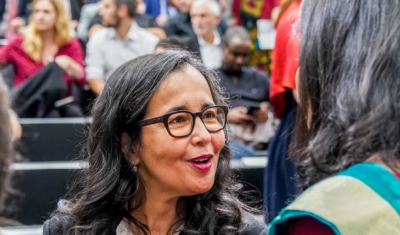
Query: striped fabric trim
[(349, 204), (387, 185), (364, 199)]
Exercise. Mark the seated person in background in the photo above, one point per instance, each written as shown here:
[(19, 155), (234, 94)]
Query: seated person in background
[(9, 10), (170, 43), (46, 39), (347, 138), (205, 16), (72, 9), (143, 20), (160, 10), (180, 24), (120, 42), (158, 158), (248, 91)]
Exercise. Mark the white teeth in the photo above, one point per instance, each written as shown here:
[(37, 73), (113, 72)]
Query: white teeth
[(201, 160)]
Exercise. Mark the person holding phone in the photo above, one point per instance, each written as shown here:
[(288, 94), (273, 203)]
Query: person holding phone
[(248, 91)]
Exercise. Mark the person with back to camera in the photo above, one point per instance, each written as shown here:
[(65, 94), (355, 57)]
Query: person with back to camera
[(158, 156), (348, 131)]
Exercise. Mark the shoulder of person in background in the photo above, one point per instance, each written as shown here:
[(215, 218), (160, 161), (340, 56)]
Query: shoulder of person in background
[(179, 25), (256, 72), (147, 36), (145, 21)]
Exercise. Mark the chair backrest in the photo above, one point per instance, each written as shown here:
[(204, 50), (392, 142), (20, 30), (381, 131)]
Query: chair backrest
[(48, 148), (52, 139)]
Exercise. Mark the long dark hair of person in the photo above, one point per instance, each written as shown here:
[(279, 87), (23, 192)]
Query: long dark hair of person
[(108, 185), (5, 149), (349, 85)]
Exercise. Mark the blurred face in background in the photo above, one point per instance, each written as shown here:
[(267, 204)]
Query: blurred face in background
[(203, 21), (182, 5), (108, 13), (236, 54), (44, 15)]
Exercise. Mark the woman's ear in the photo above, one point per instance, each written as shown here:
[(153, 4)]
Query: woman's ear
[(128, 149), (296, 94)]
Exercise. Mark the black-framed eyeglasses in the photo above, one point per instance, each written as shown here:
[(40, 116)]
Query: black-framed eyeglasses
[(181, 123)]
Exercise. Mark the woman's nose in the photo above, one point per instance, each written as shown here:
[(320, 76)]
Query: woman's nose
[(200, 134)]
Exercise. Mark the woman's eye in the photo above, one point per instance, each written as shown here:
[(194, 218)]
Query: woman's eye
[(209, 115), (178, 119)]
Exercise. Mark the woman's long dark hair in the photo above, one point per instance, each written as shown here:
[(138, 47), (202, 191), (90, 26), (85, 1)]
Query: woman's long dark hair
[(6, 149), (350, 80), (110, 182)]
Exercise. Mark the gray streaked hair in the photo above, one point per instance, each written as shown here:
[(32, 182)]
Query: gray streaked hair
[(212, 5)]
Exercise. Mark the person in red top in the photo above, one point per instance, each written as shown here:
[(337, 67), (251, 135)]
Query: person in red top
[(285, 57), (47, 38), (280, 177)]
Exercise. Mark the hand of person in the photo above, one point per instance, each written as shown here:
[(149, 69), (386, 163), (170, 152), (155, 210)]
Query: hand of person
[(162, 20), (63, 61), (17, 23), (70, 66), (238, 115), (261, 115)]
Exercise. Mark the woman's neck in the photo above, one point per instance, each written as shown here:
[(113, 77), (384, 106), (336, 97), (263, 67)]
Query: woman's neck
[(47, 36), (378, 159), (158, 213)]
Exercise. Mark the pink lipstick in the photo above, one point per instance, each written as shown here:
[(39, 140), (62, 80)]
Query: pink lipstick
[(202, 163)]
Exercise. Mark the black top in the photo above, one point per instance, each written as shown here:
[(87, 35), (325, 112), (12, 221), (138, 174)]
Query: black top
[(246, 88), (58, 225)]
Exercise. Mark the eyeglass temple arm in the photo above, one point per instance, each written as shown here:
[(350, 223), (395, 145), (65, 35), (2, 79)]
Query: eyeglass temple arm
[(150, 121)]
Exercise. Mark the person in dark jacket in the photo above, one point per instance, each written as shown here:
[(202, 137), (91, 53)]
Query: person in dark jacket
[(158, 157)]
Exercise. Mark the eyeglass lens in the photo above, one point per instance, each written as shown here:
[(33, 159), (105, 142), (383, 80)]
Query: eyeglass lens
[(181, 123)]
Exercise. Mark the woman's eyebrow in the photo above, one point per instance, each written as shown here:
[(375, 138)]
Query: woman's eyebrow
[(185, 108), (178, 108), (208, 104)]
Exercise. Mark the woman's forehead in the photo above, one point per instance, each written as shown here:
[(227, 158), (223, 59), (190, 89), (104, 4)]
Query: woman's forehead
[(183, 87)]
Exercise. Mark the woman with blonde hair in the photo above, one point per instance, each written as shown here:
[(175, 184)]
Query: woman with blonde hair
[(46, 38)]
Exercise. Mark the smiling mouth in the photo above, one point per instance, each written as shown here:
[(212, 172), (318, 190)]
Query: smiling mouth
[(202, 163)]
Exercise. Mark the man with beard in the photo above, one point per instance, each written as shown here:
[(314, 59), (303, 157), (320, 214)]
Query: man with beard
[(120, 42), (248, 91)]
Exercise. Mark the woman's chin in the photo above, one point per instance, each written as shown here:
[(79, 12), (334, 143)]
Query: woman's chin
[(201, 188)]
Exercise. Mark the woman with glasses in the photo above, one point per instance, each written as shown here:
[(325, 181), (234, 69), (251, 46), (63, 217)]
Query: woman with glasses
[(158, 157)]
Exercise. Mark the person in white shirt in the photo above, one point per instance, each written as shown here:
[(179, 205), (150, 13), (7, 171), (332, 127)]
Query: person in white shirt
[(120, 42), (205, 16)]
